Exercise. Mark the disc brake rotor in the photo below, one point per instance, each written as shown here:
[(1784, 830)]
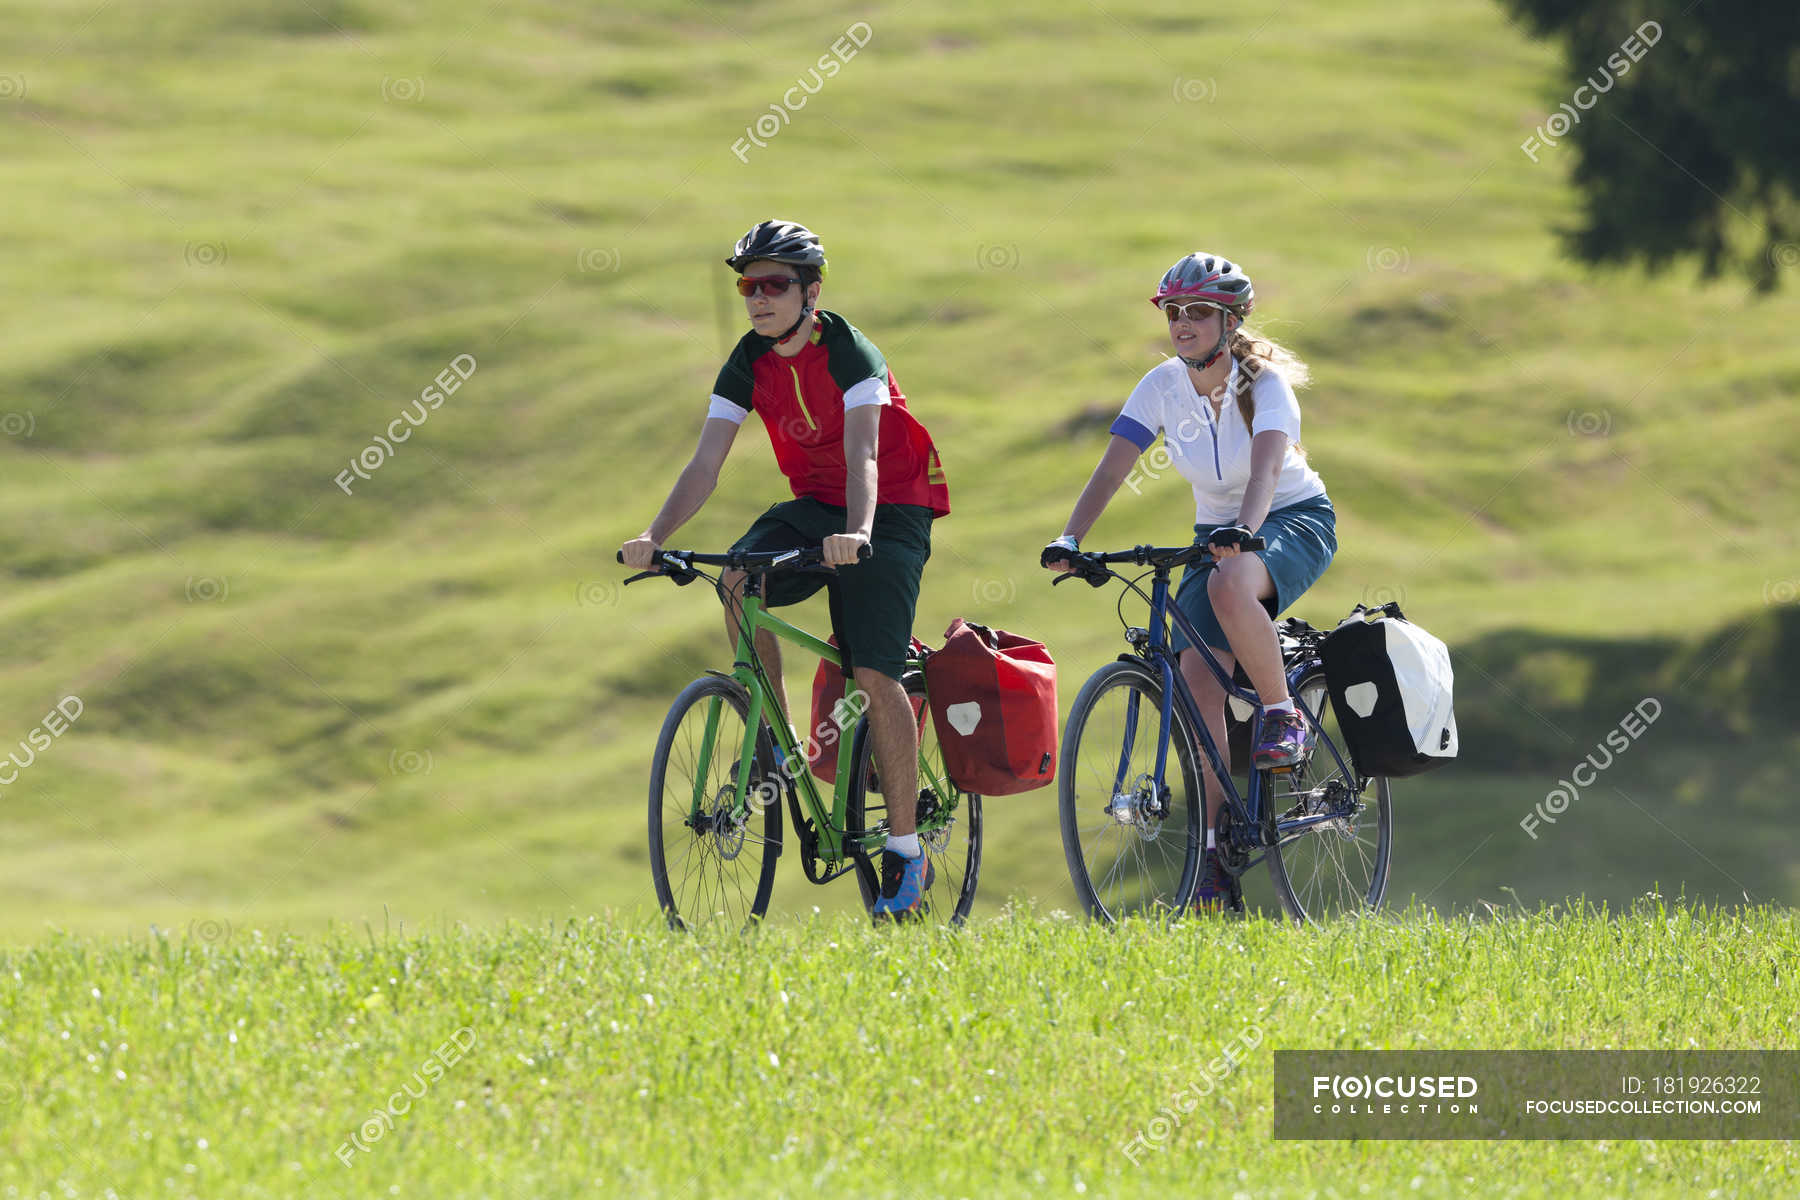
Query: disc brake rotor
[(728, 826)]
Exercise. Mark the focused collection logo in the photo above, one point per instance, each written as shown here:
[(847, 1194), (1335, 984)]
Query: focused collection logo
[(1378, 1093)]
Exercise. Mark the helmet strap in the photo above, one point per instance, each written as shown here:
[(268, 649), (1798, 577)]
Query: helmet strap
[(806, 309)]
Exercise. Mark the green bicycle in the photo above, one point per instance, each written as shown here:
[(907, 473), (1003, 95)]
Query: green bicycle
[(727, 758)]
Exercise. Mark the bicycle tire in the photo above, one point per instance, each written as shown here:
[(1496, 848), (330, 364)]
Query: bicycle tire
[(688, 866), (1159, 886), (952, 892), (1314, 878)]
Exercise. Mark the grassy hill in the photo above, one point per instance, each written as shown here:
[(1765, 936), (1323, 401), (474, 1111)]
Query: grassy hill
[(240, 242)]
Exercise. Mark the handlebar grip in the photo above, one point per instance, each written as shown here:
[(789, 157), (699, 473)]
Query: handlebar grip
[(658, 570), (1250, 543)]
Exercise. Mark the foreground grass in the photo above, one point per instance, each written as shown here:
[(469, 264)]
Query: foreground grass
[(1015, 1057)]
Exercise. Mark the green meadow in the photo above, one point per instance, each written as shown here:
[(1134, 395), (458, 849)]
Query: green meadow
[(241, 242), (339, 751)]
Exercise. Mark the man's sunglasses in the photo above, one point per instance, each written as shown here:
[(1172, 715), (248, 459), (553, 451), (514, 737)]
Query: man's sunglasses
[(1188, 312), (771, 285)]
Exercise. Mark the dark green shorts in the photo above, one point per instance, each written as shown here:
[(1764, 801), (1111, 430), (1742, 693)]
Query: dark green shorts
[(872, 601)]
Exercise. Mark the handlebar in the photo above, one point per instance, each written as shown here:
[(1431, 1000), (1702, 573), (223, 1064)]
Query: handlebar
[(679, 564), (1095, 568)]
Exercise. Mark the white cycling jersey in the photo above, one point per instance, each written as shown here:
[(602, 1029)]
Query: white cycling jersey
[(1214, 455)]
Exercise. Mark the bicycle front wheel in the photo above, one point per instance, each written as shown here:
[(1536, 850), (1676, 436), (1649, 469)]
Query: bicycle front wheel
[(1332, 847), (712, 853), (1133, 841), (948, 818)]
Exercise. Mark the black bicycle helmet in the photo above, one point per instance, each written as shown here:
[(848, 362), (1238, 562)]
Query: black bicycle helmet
[(778, 241), (783, 242)]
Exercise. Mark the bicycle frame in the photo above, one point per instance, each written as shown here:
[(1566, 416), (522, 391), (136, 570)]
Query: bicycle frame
[(832, 836), (1245, 809)]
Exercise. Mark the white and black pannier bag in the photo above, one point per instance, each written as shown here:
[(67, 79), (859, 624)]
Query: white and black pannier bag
[(1390, 684)]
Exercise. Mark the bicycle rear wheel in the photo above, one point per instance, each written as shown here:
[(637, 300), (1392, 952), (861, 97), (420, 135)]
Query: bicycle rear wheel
[(1332, 846), (1133, 844), (949, 821), (712, 858)]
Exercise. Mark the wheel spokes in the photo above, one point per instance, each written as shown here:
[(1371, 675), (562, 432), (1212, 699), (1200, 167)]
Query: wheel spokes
[(712, 859), (1133, 857), (1333, 866)]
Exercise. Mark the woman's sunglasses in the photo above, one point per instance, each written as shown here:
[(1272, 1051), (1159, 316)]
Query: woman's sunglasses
[(771, 285), (1186, 312)]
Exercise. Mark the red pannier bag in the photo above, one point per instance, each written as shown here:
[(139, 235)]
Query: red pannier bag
[(993, 703), (832, 722)]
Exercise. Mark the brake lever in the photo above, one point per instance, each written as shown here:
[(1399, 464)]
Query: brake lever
[(678, 578), (1097, 577)]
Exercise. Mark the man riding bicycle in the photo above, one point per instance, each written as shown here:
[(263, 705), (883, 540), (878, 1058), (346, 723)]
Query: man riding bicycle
[(864, 472)]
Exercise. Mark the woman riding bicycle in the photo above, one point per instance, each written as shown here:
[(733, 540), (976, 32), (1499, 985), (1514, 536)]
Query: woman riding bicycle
[(1225, 406)]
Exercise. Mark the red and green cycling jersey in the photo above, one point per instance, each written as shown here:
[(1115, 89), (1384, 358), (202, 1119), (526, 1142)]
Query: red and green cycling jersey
[(802, 401)]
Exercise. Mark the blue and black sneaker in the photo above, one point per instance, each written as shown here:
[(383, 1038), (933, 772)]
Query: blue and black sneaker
[(1283, 742), (904, 882)]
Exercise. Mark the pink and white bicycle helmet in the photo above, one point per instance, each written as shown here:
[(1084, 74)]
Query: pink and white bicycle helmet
[(1217, 281), (1212, 280)]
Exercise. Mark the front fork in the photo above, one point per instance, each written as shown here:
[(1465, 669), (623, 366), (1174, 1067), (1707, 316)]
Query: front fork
[(701, 812)]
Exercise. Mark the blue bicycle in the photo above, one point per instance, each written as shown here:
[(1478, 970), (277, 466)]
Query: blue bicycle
[(1132, 819)]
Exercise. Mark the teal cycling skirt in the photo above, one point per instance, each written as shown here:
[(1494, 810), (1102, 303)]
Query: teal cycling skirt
[(1302, 539)]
